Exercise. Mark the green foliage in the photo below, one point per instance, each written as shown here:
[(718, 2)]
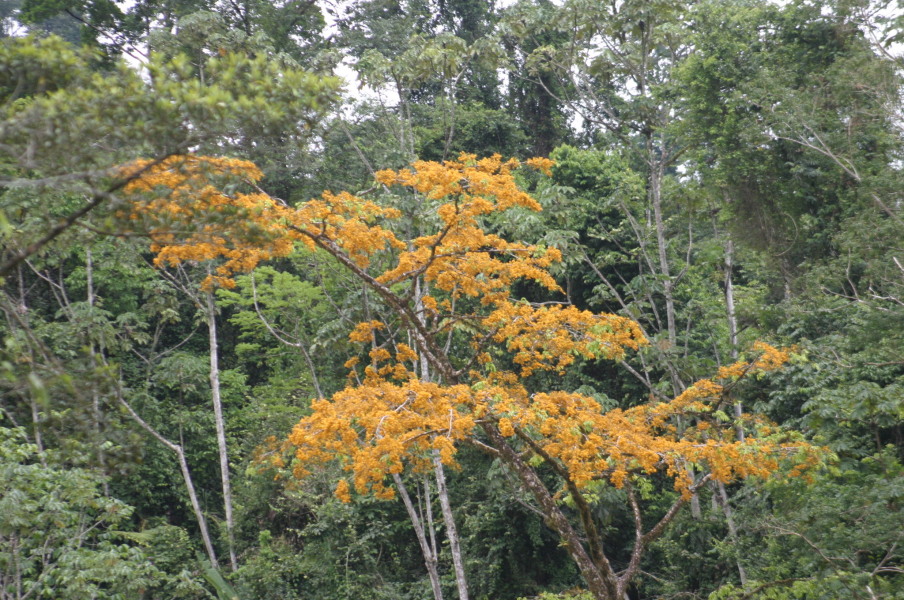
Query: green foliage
[(222, 587), (776, 127), (790, 123), (505, 562), (838, 538), (575, 594), (306, 543), (58, 532), (39, 67), (475, 126), (75, 122)]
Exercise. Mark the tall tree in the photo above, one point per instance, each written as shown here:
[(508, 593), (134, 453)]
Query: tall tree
[(394, 418)]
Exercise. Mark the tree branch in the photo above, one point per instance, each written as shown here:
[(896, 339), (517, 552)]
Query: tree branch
[(70, 220)]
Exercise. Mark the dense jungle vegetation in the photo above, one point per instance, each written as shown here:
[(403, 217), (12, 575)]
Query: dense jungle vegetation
[(424, 299)]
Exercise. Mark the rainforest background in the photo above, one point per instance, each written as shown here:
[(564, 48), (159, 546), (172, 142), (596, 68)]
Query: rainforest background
[(726, 173)]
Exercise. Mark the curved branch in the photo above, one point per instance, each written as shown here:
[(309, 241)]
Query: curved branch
[(283, 340), (594, 540), (97, 199), (425, 341)]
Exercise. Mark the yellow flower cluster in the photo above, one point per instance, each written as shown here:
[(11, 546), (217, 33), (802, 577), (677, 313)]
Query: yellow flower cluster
[(189, 219), (170, 196), (363, 332), (382, 428), (347, 221), (590, 443), (462, 259), (551, 337), (481, 186), (377, 429)]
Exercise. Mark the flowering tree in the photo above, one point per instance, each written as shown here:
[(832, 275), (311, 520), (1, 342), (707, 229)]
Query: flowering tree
[(453, 364)]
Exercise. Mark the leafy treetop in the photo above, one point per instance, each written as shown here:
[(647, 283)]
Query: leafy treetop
[(421, 395), (395, 414)]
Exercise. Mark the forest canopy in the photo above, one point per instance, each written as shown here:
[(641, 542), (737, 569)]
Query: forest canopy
[(549, 300)]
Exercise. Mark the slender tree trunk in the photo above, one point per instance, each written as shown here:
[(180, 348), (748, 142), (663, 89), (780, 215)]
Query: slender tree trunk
[(732, 325), (696, 511), (419, 294), (451, 531), (196, 505), (15, 551), (186, 476), (428, 548), (461, 581), (668, 283), (732, 528), (95, 397), (315, 381), (22, 310), (36, 427), (738, 407), (221, 427), (429, 554), (427, 511)]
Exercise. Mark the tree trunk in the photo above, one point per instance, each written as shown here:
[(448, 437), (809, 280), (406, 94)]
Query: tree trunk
[(738, 407), (732, 528), (451, 531), (196, 506), (461, 581), (95, 398), (186, 476), (600, 578), (429, 554), (668, 283), (22, 310), (732, 326), (221, 428)]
